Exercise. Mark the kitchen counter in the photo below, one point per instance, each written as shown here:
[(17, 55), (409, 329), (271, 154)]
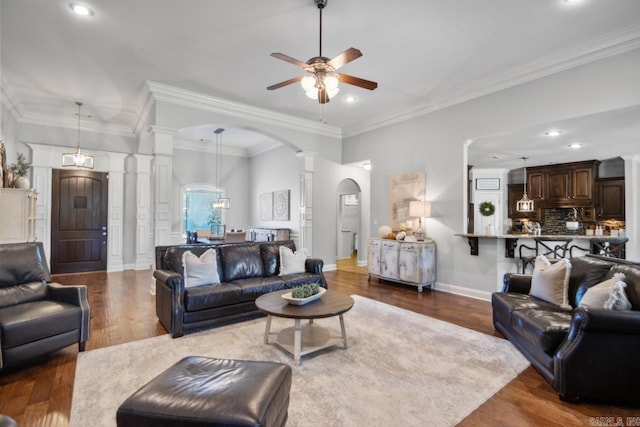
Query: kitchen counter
[(597, 244)]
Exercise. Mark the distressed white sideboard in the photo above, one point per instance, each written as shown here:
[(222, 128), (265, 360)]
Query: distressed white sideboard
[(411, 263)]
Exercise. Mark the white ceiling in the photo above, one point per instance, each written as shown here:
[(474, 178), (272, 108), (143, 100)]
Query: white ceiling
[(424, 54)]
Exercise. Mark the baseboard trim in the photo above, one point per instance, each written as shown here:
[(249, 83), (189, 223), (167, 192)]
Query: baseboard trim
[(462, 291), (330, 267)]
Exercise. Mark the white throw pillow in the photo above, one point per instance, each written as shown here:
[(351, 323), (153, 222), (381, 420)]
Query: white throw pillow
[(618, 299), (292, 262), (201, 270), (550, 282), (596, 296)]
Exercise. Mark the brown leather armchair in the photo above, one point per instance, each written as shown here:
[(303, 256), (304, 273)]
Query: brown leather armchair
[(37, 316)]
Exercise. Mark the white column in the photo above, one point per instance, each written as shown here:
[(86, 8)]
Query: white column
[(306, 200), (115, 240), (144, 236), (632, 208), (162, 177)]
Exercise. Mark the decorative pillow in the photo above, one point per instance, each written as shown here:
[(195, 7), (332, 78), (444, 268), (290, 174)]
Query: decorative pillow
[(596, 296), (292, 262), (201, 270), (550, 282), (618, 299)]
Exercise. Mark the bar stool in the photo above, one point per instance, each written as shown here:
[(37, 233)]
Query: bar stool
[(551, 248)]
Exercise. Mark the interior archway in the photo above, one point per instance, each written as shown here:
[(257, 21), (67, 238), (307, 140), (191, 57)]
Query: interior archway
[(348, 225)]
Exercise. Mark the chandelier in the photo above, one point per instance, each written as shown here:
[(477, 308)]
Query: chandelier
[(77, 158), (220, 202), (525, 204)]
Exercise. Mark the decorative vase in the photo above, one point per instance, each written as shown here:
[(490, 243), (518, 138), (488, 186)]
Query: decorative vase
[(22, 182), (488, 230)]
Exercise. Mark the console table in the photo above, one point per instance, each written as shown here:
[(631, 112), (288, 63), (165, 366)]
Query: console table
[(411, 263), (268, 234)]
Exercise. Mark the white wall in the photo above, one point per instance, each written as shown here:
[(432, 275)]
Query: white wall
[(275, 170), (435, 143)]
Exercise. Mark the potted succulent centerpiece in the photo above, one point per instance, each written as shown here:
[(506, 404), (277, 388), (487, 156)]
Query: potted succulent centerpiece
[(20, 169)]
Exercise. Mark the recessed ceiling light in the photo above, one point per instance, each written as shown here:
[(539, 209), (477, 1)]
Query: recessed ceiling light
[(80, 9), (553, 132), (350, 99), (575, 145)]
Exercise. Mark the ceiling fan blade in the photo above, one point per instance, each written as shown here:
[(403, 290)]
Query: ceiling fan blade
[(345, 57), (289, 59), (323, 97), (357, 81), (285, 83)]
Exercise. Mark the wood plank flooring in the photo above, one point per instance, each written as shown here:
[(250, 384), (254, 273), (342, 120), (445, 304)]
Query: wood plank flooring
[(123, 311)]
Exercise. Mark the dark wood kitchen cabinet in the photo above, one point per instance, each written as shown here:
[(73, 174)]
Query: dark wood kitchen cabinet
[(610, 203), (563, 185), (535, 185)]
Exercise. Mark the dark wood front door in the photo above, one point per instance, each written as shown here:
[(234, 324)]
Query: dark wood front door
[(78, 221)]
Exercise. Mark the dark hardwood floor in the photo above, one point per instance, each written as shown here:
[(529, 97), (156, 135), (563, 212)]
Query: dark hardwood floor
[(123, 311)]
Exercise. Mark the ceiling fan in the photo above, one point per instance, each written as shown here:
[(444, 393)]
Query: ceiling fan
[(322, 81)]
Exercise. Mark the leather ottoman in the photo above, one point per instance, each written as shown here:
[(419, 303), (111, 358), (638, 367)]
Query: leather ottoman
[(213, 392)]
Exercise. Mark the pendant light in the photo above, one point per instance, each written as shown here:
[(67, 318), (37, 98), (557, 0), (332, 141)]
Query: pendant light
[(220, 202), (78, 159), (524, 204)]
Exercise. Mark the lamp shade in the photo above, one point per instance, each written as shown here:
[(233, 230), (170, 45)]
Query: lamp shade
[(419, 209)]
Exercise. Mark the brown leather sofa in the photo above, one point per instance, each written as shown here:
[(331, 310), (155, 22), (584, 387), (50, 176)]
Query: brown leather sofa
[(37, 316), (585, 353), (246, 270)]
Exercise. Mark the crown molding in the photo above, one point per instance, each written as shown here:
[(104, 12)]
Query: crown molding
[(611, 44), (178, 96)]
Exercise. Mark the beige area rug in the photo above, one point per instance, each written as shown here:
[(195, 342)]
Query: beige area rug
[(401, 368)]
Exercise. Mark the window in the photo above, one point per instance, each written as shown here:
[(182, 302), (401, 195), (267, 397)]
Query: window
[(197, 207)]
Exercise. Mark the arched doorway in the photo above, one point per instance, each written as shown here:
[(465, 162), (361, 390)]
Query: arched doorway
[(348, 226)]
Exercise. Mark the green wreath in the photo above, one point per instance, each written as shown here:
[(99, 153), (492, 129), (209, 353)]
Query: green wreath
[(487, 208)]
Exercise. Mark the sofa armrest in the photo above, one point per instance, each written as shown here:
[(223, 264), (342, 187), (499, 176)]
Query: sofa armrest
[(599, 356), (170, 278), (170, 301), (602, 320), (519, 283), (313, 265), (74, 295)]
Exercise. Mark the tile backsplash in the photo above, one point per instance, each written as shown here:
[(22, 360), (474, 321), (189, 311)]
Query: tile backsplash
[(554, 222)]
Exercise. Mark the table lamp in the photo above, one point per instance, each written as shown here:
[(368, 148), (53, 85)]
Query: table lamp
[(419, 209)]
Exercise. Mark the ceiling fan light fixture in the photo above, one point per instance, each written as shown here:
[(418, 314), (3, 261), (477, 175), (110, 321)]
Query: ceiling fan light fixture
[(308, 83), (331, 82)]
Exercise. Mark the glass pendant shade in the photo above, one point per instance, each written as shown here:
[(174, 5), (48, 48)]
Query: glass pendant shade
[(222, 203), (77, 158), (524, 204)]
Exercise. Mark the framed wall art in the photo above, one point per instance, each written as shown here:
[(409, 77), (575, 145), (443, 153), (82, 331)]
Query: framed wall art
[(402, 189), (281, 205)]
